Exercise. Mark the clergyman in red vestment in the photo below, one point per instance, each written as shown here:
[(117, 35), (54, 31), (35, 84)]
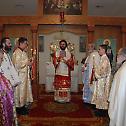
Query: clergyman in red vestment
[(63, 63)]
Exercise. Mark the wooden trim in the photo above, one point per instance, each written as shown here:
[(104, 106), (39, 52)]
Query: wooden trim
[(84, 7), (91, 29), (1, 30), (54, 19), (123, 29), (34, 30), (40, 8)]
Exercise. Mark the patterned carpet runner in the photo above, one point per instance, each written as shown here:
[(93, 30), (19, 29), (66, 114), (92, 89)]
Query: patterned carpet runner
[(46, 112)]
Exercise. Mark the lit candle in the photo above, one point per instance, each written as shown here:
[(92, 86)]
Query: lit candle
[(31, 52), (34, 53)]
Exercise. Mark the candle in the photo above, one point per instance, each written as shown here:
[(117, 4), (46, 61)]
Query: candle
[(31, 52), (34, 52)]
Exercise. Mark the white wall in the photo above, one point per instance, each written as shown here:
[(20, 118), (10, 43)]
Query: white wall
[(45, 56)]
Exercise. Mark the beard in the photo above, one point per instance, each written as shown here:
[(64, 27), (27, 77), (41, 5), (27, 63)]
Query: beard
[(8, 48), (62, 48)]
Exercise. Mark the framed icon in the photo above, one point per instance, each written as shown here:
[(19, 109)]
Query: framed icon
[(70, 7), (82, 43), (41, 43)]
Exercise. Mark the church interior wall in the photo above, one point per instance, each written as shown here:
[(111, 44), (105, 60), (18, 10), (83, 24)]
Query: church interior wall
[(109, 32), (101, 31), (16, 31)]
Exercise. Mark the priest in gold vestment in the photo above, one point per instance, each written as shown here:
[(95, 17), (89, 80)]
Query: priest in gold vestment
[(23, 92), (102, 73)]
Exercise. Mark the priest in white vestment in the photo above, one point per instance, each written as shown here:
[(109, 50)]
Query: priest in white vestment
[(7, 67), (87, 72), (117, 98), (23, 92)]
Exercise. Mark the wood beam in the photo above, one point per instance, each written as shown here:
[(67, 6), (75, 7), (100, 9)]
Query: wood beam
[(34, 30), (40, 8), (54, 19), (1, 30), (123, 36), (91, 29)]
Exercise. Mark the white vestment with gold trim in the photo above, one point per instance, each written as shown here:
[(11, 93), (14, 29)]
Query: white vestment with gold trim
[(23, 92), (9, 71), (117, 98)]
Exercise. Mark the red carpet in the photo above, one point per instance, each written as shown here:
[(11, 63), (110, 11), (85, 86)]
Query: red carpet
[(46, 112), (46, 107)]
